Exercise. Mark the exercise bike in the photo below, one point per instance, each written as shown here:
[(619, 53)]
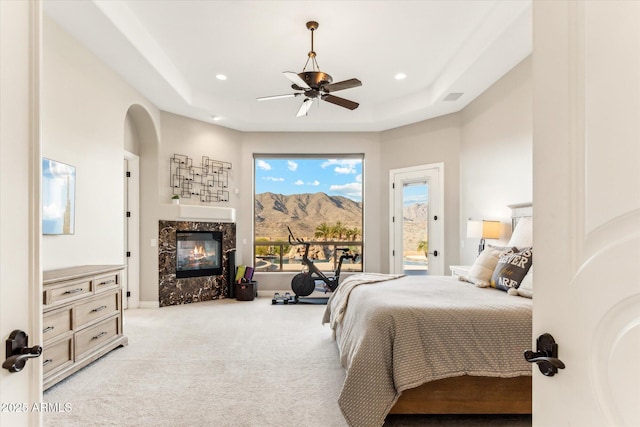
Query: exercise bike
[(311, 278)]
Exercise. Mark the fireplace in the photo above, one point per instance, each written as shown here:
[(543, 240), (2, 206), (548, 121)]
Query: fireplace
[(198, 253), (174, 236)]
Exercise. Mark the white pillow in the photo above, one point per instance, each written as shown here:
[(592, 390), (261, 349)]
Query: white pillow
[(526, 286), (482, 269), (522, 236)]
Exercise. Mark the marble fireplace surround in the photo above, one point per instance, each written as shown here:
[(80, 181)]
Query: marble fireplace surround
[(175, 291)]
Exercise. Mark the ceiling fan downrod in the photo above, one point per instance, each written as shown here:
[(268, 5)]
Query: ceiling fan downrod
[(312, 26)]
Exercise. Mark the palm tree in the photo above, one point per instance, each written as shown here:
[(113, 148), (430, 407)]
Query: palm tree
[(338, 230), (355, 232), (423, 245), (323, 231)]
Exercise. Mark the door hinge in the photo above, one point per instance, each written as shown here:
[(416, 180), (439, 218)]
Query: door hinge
[(128, 254), (393, 185), (393, 252), (128, 294), (128, 174), (393, 219), (128, 214)]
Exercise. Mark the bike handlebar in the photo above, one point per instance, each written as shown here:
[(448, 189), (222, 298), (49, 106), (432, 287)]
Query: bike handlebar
[(292, 237)]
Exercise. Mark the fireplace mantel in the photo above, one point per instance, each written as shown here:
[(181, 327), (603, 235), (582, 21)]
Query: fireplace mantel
[(208, 213)]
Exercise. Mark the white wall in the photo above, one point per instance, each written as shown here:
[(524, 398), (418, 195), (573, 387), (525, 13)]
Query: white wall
[(83, 124), (496, 155)]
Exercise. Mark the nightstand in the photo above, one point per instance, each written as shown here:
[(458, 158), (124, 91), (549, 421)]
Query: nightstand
[(459, 270)]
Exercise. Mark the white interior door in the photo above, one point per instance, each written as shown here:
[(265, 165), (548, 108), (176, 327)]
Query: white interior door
[(20, 218), (417, 228), (586, 167)]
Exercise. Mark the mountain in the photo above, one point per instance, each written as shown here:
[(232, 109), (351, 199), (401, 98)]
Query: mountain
[(303, 213)]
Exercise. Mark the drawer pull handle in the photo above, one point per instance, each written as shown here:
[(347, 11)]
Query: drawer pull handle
[(48, 329), (46, 362), (107, 282), (100, 335), (74, 291), (97, 309)]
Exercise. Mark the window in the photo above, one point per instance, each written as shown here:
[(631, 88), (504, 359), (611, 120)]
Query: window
[(319, 198)]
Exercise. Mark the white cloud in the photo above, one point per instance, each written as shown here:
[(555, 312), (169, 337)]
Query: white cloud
[(272, 178), (52, 211), (352, 190), (344, 170), (299, 182), (291, 165), (314, 183), (359, 178), (263, 165), (342, 166)]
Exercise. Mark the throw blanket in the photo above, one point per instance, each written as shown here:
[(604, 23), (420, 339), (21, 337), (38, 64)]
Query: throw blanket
[(394, 335), (338, 301)]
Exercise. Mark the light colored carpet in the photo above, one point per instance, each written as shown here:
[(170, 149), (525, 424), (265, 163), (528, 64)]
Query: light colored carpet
[(221, 363)]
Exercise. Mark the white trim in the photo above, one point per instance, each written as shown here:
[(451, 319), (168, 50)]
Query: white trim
[(148, 304)]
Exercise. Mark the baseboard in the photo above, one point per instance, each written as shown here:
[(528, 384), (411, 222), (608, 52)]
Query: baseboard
[(149, 304)]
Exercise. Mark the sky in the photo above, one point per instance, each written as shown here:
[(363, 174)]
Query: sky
[(335, 177)]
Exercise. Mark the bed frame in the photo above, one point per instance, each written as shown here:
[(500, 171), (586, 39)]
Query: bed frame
[(467, 394)]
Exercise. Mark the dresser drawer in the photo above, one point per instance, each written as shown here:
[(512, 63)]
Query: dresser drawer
[(57, 355), (96, 335), (97, 308), (55, 323), (68, 291), (106, 282)]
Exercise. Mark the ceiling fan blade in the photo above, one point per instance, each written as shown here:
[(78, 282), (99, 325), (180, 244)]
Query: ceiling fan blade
[(267, 98), (295, 78), (346, 84), (304, 108), (340, 101)]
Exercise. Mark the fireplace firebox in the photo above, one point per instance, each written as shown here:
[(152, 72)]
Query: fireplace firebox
[(198, 253)]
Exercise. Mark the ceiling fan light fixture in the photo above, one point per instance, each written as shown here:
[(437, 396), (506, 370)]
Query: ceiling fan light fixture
[(316, 84), (221, 77), (400, 76)]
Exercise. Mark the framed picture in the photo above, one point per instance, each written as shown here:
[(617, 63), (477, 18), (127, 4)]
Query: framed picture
[(58, 197)]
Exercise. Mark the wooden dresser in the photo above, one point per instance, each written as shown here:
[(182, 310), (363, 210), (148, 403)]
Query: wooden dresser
[(82, 318)]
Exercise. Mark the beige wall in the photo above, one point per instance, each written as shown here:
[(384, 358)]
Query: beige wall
[(496, 155), (84, 106), (431, 141)]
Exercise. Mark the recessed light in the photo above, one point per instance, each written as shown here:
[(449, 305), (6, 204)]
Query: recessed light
[(221, 77), (400, 76), (216, 118)]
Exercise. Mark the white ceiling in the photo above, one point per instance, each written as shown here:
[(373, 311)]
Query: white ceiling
[(171, 51)]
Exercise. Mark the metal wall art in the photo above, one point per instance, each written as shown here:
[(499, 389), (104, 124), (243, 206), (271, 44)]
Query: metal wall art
[(208, 181)]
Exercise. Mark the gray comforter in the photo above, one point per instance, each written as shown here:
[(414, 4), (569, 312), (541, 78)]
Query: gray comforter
[(397, 334)]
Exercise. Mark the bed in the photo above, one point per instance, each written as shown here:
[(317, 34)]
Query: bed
[(434, 344)]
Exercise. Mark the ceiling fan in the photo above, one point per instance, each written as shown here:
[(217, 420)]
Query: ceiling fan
[(316, 84)]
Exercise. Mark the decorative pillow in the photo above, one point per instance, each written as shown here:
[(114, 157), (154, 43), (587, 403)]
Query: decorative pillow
[(482, 269), (511, 269), (522, 236), (526, 287)]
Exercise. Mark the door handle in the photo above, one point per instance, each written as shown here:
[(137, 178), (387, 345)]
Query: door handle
[(18, 351), (434, 253), (546, 355)]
